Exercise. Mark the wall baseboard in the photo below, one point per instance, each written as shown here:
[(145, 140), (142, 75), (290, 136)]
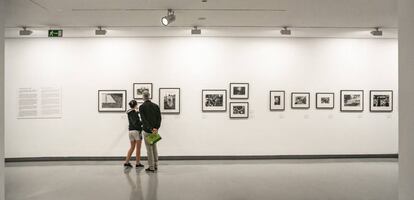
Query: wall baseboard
[(241, 157)]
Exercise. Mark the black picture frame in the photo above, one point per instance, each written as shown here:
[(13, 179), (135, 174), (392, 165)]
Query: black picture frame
[(300, 93), (124, 101), (342, 107), (247, 91), (238, 117), (214, 90), (134, 87), (162, 103), (371, 109), (325, 93), (282, 102)]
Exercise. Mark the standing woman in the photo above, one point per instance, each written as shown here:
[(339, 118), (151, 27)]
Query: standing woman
[(135, 135)]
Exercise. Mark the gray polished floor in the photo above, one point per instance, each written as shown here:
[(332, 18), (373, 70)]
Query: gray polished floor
[(206, 180)]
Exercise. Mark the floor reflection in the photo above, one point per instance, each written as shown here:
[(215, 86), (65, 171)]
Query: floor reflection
[(137, 193)]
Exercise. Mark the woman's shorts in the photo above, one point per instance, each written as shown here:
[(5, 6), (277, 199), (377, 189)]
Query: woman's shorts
[(135, 135)]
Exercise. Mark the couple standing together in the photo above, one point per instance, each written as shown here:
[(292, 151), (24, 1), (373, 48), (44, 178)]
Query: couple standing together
[(144, 120)]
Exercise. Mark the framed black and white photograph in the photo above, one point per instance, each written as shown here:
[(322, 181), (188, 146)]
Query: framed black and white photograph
[(139, 89), (325, 100), (277, 100), (169, 100), (239, 90), (352, 100), (112, 100), (381, 100), (239, 110), (214, 100), (300, 100)]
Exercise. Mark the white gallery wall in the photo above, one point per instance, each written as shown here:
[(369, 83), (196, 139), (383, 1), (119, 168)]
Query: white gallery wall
[(82, 66)]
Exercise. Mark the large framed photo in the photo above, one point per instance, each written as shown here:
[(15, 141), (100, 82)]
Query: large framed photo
[(214, 100), (112, 100), (169, 99), (239, 110), (139, 89), (325, 100), (352, 100), (239, 90), (381, 100), (300, 100), (277, 100)]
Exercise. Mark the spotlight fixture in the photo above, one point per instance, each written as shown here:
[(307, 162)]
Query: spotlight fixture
[(376, 32), (100, 31), (25, 32), (195, 31), (169, 18), (285, 31)]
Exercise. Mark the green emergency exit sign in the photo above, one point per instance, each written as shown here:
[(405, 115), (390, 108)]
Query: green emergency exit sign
[(55, 33)]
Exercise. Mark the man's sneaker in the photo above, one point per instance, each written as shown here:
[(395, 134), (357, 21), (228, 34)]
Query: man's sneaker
[(139, 165), (149, 170), (128, 165)]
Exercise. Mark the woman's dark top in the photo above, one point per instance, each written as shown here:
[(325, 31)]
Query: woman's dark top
[(135, 123)]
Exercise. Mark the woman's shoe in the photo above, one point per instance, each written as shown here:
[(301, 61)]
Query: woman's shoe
[(139, 165), (128, 165)]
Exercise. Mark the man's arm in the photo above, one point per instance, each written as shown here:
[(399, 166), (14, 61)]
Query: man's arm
[(158, 125)]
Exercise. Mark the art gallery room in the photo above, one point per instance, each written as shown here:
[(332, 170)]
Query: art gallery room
[(207, 99)]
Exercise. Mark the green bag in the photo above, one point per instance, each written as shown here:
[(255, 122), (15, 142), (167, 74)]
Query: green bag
[(153, 138)]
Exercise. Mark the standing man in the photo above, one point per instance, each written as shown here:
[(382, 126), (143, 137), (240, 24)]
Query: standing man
[(151, 122)]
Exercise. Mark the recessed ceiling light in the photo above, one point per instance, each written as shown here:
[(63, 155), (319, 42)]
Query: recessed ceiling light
[(204, 1)]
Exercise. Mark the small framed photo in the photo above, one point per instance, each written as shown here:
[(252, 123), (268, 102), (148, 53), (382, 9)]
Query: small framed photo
[(239, 90), (325, 100), (381, 100), (112, 100), (239, 110), (300, 100), (169, 99), (214, 100), (277, 100), (352, 100), (139, 89)]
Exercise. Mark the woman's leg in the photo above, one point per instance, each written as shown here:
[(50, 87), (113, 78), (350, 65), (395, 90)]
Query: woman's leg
[(130, 151), (138, 151)]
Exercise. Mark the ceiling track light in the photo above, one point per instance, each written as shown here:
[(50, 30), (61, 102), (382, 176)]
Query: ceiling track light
[(285, 31), (100, 31), (195, 31), (170, 18), (376, 32), (25, 32)]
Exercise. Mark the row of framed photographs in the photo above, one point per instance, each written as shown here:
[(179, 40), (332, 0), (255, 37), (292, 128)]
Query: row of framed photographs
[(116, 100), (350, 100), (216, 101)]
